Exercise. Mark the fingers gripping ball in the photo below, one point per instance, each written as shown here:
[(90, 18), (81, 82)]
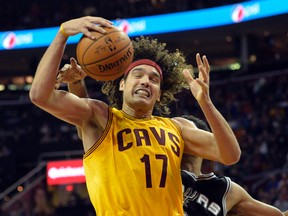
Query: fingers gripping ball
[(106, 57)]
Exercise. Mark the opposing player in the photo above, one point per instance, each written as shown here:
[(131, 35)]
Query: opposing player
[(210, 195)]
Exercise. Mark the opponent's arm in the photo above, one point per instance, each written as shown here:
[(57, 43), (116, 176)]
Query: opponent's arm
[(241, 203), (73, 75)]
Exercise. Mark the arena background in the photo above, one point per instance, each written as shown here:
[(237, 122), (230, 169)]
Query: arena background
[(248, 85)]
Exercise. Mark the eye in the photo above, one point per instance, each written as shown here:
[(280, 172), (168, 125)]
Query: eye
[(137, 74), (155, 79)]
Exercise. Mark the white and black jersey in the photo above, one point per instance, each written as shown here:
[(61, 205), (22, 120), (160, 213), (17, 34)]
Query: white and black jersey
[(204, 195)]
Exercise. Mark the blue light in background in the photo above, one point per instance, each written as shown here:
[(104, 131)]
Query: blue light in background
[(159, 24)]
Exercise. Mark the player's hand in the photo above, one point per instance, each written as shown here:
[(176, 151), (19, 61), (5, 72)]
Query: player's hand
[(85, 25), (70, 73), (200, 86)]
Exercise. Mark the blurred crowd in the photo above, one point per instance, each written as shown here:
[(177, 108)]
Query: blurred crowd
[(53, 201), (255, 106)]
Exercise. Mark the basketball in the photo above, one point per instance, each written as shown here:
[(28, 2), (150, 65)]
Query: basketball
[(107, 57)]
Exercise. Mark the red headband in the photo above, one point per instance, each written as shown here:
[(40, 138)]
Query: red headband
[(145, 62)]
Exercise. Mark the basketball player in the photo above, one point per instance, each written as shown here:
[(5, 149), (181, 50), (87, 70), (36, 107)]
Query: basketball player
[(132, 158), (210, 195), (204, 194)]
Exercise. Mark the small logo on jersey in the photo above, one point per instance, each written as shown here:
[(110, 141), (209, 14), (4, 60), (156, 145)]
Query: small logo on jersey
[(212, 207), (191, 195)]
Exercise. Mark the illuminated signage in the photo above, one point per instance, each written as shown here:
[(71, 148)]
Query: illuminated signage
[(158, 24), (240, 12), (65, 172)]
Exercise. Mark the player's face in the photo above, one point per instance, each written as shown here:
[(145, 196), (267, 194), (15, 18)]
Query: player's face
[(142, 87)]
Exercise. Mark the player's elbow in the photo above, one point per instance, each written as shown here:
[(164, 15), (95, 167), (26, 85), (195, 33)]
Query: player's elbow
[(34, 96), (232, 158), (37, 97)]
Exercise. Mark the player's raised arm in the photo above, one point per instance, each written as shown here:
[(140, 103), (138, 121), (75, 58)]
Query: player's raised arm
[(221, 145), (43, 93)]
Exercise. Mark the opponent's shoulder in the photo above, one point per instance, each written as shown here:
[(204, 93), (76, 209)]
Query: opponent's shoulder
[(186, 173)]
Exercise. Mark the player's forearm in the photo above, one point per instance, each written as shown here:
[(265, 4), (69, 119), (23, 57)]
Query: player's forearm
[(225, 138), (45, 78)]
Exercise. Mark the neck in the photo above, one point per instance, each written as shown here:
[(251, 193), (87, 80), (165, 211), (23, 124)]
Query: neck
[(137, 113), (197, 172), (192, 164), (194, 169)]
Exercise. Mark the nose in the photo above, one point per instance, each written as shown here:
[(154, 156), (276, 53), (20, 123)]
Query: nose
[(145, 80)]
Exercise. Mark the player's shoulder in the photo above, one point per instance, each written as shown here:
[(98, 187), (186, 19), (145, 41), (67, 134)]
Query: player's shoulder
[(187, 173), (189, 179), (183, 122), (96, 104), (99, 108)]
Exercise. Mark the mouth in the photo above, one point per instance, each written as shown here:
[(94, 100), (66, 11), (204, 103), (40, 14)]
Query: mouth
[(143, 92)]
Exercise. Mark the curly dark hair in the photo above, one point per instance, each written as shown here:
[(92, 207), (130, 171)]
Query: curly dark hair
[(171, 63)]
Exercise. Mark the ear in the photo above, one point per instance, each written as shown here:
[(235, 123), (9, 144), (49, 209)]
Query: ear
[(159, 96), (121, 85)]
